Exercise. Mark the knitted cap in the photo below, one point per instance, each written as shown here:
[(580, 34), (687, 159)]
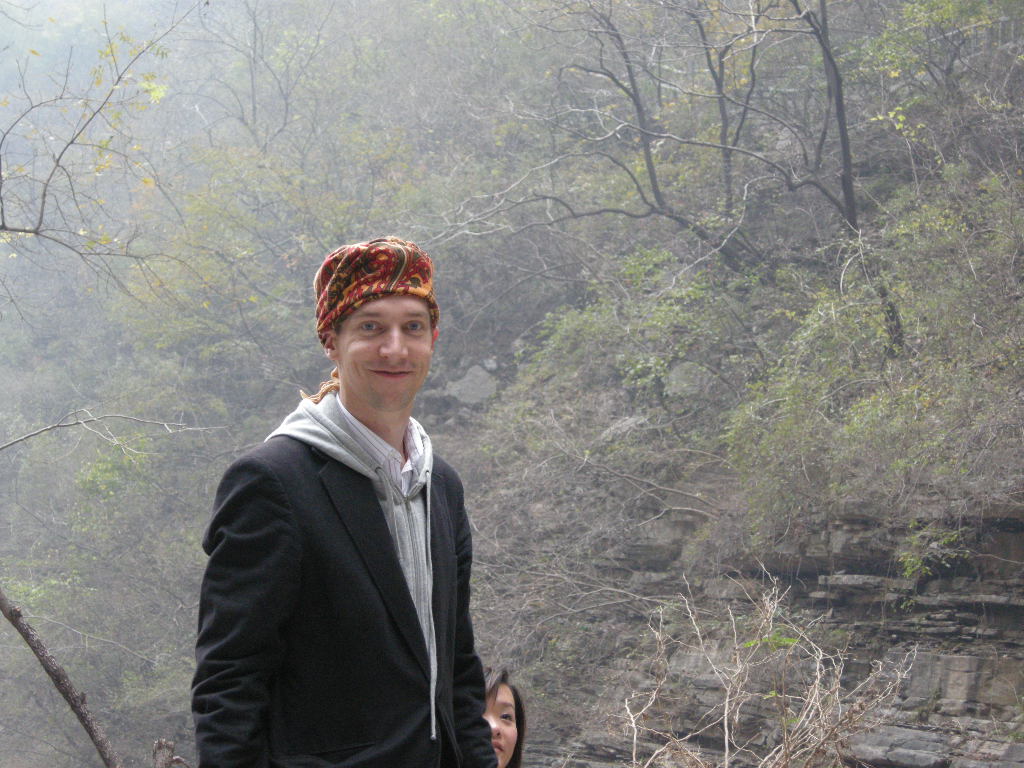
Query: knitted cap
[(358, 273)]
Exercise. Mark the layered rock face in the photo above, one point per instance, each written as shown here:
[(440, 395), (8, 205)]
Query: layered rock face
[(960, 619), (962, 705)]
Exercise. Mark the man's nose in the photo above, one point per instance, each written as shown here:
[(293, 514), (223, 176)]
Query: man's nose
[(393, 343)]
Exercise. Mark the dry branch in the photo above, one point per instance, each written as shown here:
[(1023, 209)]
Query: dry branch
[(766, 659), (61, 681), (83, 418), (163, 755)]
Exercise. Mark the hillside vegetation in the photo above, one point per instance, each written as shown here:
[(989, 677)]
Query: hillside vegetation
[(748, 278)]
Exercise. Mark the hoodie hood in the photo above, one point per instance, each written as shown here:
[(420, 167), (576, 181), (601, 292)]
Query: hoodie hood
[(322, 425)]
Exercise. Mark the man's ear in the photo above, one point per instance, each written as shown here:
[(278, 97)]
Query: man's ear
[(330, 345), (433, 336)]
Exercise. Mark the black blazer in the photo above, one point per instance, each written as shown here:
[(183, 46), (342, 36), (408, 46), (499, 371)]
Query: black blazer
[(309, 652)]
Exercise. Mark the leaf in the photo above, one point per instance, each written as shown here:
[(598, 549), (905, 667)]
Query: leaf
[(155, 91)]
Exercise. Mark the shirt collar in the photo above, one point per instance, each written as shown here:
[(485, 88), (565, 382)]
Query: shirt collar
[(382, 451)]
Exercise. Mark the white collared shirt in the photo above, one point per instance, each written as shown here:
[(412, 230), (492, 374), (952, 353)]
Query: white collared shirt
[(403, 473)]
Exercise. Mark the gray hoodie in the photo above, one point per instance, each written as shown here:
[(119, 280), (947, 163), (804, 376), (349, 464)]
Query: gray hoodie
[(322, 425)]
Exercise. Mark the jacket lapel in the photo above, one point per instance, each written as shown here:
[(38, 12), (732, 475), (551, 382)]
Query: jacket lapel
[(356, 504), (442, 555)]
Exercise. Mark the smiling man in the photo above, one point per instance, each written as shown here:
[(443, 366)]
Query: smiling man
[(334, 625)]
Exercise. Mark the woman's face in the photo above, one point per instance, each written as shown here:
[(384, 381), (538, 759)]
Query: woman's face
[(501, 714)]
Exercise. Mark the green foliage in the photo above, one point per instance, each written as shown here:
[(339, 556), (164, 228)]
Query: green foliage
[(930, 548), (839, 422), (922, 33), (774, 642)]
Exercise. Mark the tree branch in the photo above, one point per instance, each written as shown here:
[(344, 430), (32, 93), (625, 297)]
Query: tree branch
[(82, 418), (61, 681)]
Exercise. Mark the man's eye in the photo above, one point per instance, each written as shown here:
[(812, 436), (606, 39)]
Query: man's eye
[(368, 326), (416, 325)]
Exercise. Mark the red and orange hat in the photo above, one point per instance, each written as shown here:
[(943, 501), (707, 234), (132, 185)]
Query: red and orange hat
[(358, 273)]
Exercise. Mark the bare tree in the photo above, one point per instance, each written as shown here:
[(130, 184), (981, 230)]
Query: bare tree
[(766, 667), (67, 157), (648, 91)]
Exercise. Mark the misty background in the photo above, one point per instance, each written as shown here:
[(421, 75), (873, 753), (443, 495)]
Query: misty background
[(730, 301)]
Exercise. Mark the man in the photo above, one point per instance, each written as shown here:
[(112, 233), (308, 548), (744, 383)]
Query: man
[(334, 623)]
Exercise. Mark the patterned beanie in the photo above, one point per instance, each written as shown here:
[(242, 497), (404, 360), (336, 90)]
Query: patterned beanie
[(358, 273)]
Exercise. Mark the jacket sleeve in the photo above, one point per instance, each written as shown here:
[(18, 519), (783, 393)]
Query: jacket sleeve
[(471, 730), (248, 589)]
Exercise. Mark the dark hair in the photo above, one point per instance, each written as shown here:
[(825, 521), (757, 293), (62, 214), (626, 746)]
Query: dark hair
[(492, 679)]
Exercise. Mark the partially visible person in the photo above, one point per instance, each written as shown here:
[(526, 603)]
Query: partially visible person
[(507, 717)]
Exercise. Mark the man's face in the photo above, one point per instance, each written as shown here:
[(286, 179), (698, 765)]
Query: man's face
[(383, 352)]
